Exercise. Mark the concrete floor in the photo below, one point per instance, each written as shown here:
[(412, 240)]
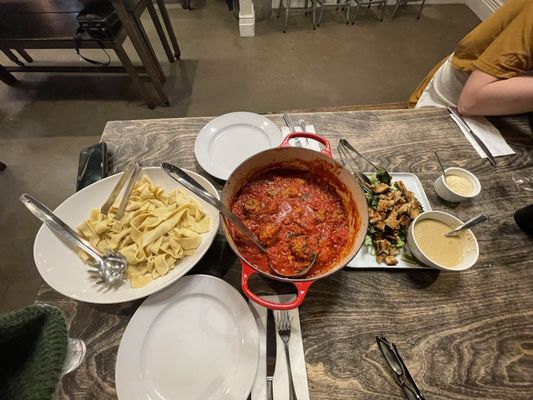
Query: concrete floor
[(47, 119)]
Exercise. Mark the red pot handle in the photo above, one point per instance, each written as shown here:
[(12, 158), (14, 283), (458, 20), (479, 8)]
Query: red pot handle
[(301, 288), (327, 147)]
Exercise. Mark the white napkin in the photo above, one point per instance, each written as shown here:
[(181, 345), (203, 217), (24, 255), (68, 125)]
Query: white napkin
[(307, 143), (488, 134), (296, 351)]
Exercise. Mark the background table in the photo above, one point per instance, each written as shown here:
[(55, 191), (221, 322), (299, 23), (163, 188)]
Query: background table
[(465, 335)]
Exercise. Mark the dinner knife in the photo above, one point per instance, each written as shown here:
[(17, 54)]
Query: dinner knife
[(453, 111), (271, 337)]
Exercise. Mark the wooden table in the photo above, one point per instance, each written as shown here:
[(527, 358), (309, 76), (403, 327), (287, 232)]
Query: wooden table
[(466, 335), (52, 24)]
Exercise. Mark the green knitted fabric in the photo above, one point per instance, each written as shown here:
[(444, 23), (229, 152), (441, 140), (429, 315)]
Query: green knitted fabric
[(33, 345)]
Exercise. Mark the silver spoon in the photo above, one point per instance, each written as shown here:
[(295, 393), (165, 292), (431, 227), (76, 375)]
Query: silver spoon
[(440, 164), (111, 265), (184, 179), (468, 224)]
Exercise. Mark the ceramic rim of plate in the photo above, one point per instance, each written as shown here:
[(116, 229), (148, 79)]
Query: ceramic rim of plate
[(223, 143)]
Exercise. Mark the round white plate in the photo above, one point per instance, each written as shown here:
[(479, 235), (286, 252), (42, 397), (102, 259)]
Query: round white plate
[(63, 270), (229, 139), (196, 340)]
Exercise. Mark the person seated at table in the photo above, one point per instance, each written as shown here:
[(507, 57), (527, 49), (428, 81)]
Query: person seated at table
[(491, 70)]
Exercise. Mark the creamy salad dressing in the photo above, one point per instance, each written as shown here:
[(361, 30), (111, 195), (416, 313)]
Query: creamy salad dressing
[(446, 251), (460, 184)]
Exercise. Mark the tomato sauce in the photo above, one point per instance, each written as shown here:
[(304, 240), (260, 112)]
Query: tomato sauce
[(296, 216)]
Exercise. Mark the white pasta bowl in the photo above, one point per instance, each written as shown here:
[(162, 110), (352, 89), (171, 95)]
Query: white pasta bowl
[(62, 269), (446, 192), (470, 248)]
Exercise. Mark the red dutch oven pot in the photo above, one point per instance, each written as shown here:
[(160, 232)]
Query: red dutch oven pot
[(314, 162)]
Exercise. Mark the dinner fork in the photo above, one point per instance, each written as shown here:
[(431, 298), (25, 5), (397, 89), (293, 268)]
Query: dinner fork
[(284, 331), (288, 121)]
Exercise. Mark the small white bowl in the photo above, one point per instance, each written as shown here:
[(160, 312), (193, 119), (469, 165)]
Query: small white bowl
[(445, 191), (471, 248)]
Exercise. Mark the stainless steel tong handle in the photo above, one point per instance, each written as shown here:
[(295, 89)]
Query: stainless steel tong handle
[(131, 172), (184, 179), (57, 225)]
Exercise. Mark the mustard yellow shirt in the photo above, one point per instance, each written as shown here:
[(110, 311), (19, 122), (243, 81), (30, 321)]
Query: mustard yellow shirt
[(501, 46)]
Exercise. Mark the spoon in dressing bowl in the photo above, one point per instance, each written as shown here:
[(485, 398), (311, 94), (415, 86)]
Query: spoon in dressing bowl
[(184, 179), (468, 224), (441, 166)]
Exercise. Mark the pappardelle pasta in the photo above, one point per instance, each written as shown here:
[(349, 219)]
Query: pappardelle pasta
[(157, 229)]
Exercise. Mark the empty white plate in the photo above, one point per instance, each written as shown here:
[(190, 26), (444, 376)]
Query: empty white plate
[(229, 139), (196, 340)]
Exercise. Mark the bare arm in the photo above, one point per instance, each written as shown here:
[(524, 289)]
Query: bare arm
[(484, 94)]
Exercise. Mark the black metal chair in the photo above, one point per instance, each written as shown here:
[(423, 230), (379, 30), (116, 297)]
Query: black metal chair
[(400, 2)]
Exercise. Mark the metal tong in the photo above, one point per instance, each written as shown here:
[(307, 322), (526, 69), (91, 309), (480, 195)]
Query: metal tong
[(348, 161), (131, 172)]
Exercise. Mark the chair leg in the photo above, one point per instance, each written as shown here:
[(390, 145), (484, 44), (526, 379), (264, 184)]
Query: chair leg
[(286, 21), (356, 13), (9, 54), (132, 72), (396, 8), (348, 10), (24, 54), (383, 7), (420, 10), (280, 7), (159, 29), (168, 25), (314, 13), (321, 12), (6, 77)]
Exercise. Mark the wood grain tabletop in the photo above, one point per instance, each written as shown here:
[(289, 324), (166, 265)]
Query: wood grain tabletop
[(466, 335)]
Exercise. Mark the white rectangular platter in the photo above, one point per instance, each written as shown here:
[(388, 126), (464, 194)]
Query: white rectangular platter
[(364, 259)]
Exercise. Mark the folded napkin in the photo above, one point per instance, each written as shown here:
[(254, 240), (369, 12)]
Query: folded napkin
[(33, 345), (488, 134), (296, 351), (307, 143)]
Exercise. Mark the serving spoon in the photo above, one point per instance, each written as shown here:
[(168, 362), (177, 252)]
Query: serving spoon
[(468, 224), (184, 179), (111, 265)]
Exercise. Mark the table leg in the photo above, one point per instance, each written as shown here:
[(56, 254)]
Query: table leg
[(130, 69), (9, 54), (168, 25), (24, 54), (137, 41), (150, 49), (6, 77), (160, 32)]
